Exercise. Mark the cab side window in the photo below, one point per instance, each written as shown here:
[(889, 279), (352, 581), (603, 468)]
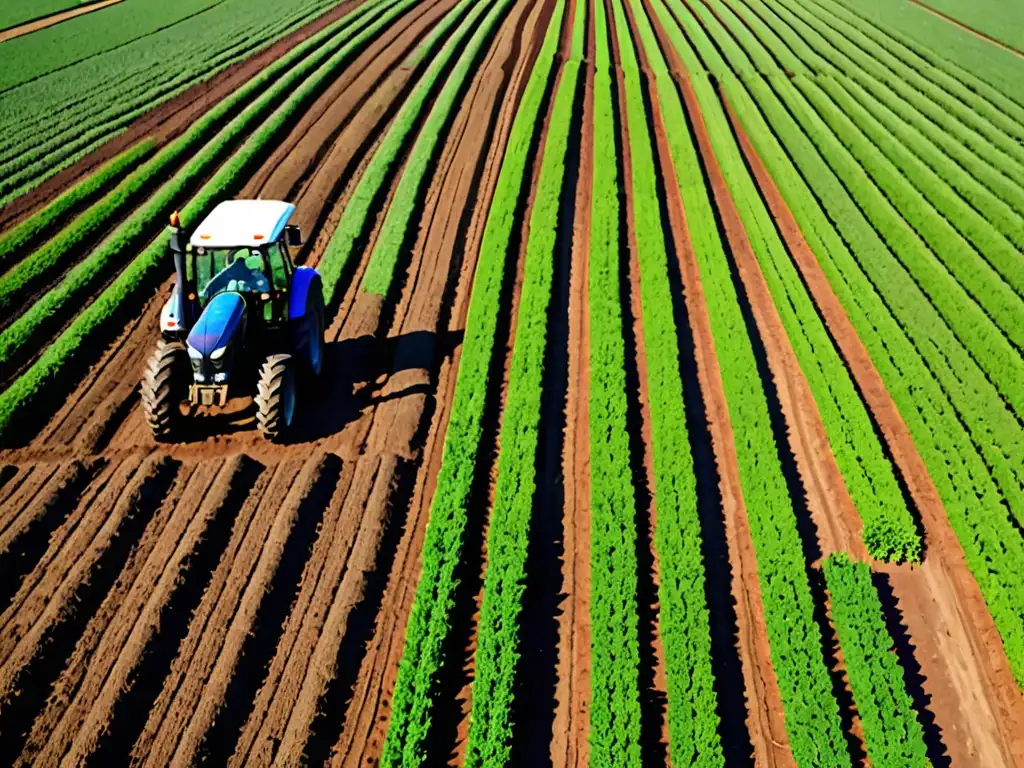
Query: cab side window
[(278, 267)]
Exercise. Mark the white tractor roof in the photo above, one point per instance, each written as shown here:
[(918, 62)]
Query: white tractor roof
[(239, 223)]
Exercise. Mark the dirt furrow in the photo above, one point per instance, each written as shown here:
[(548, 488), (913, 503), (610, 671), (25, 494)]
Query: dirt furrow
[(88, 596), (31, 480), (305, 621), (571, 720), (197, 652), (964, 692)]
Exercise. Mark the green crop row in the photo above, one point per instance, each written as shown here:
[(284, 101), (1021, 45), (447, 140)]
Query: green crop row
[(443, 547), (361, 206), (992, 425), (811, 712), (893, 735), (153, 261), (380, 272), (63, 106), (614, 624), (970, 495), (684, 618), (39, 226), (807, 43), (49, 259), (889, 531), (508, 535), (971, 124), (926, 61), (141, 224), (929, 205), (988, 342), (988, 345), (990, 120), (990, 223)]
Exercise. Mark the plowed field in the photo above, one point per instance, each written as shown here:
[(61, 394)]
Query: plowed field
[(222, 598)]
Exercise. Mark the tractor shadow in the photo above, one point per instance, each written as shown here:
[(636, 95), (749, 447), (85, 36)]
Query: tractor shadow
[(356, 375)]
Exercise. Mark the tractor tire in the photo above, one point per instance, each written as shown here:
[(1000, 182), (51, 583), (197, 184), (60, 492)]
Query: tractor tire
[(275, 396), (164, 386), (308, 336)]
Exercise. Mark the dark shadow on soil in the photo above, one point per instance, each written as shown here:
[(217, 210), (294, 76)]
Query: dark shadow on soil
[(535, 704), (133, 706), (37, 679), (938, 755), (259, 646), (28, 548)]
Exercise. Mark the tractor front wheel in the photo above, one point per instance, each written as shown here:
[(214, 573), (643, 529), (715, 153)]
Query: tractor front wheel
[(164, 386), (275, 396)]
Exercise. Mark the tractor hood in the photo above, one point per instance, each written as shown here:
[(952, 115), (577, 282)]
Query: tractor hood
[(218, 323)]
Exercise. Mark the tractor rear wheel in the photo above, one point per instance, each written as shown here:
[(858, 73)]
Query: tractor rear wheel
[(275, 396), (164, 386)]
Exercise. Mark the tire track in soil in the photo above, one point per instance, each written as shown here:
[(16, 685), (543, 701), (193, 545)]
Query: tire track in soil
[(765, 727), (78, 687), (235, 661), (459, 232), (964, 692), (59, 612)]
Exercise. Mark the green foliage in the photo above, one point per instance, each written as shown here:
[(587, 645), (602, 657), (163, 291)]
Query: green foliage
[(683, 614), (39, 226), (360, 209), (380, 272), (889, 531), (303, 87), (430, 617), (930, 400), (614, 627), (497, 651), (51, 120), (17, 12), (892, 733)]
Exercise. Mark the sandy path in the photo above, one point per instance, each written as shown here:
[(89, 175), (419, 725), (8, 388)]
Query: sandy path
[(57, 18)]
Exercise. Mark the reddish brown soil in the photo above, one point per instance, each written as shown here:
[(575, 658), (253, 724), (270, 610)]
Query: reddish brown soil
[(971, 693), (569, 747), (49, 21), (968, 29)]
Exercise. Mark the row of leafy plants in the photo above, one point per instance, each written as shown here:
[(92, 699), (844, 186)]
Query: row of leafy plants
[(684, 618), (64, 106), (889, 530), (208, 143), (892, 733), (991, 424), (992, 227), (492, 718), (614, 615), (152, 263), (427, 632), (361, 208), (34, 229), (811, 712), (965, 483), (822, 59), (386, 255)]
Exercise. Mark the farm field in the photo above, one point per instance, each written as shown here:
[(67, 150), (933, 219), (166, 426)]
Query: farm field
[(672, 408)]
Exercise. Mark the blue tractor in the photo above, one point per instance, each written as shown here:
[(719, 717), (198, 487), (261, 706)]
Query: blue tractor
[(240, 311)]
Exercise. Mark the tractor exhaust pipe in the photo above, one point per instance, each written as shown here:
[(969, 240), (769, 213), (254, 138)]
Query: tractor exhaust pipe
[(184, 287)]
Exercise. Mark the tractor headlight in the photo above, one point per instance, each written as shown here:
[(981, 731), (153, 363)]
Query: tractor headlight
[(194, 353), (218, 353)]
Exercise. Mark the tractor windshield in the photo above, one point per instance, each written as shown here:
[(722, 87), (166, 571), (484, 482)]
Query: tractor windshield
[(228, 269)]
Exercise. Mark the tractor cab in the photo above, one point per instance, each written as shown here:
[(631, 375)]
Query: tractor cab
[(238, 298)]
